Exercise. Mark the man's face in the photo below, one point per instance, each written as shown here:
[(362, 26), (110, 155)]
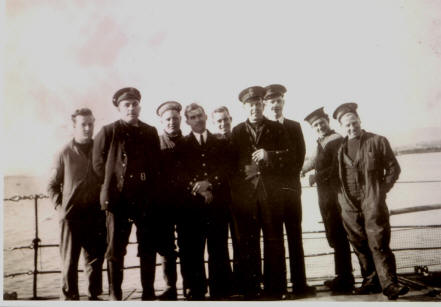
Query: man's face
[(171, 121), (83, 128), (321, 126), (197, 119), (274, 106), (129, 110), (222, 121), (351, 125), (254, 109)]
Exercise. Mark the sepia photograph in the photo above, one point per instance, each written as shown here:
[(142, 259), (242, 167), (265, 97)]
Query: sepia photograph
[(244, 151)]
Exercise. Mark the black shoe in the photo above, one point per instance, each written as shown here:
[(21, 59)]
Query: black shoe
[(253, 296), (394, 290), (273, 296), (194, 296), (340, 285), (304, 291), (368, 289), (148, 296), (93, 298), (170, 294)]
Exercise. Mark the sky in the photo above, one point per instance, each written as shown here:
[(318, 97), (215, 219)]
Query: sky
[(59, 55)]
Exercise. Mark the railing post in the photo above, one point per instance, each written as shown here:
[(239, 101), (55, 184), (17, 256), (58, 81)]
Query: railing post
[(35, 244)]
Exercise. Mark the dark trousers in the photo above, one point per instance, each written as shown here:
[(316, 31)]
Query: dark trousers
[(191, 242), (88, 234), (369, 233), (250, 216), (197, 226), (166, 246), (119, 226), (219, 268), (293, 223), (335, 233)]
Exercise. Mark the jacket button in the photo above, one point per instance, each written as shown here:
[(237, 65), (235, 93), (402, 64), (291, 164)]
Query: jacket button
[(106, 202), (258, 173), (203, 164), (203, 155), (205, 174), (131, 176)]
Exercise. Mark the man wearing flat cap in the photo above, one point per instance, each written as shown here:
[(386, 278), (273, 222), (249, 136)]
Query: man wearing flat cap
[(170, 114), (260, 157), (367, 170), (291, 190), (126, 156), (322, 162)]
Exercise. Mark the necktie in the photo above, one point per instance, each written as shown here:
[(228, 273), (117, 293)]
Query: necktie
[(202, 140)]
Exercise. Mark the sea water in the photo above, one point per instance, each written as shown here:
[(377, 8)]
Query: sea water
[(19, 229)]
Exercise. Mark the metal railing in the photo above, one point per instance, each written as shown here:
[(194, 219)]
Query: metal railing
[(35, 245)]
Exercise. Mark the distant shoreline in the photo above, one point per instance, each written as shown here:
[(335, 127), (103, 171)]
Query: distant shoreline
[(417, 150)]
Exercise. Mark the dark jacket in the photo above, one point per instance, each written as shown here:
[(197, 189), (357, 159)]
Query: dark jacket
[(297, 148), (110, 163), (209, 162), (72, 175), (274, 140), (168, 189), (378, 169)]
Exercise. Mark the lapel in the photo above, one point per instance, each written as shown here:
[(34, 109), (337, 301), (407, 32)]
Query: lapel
[(193, 142), (263, 132)]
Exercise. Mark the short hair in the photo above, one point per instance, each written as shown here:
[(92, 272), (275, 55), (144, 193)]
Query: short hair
[(82, 112), (191, 107), (221, 109)]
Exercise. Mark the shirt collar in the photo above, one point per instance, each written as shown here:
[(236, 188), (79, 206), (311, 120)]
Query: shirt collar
[(198, 136), (281, 119)]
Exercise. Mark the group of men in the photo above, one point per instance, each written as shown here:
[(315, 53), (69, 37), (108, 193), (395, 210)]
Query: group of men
[(201, 186)]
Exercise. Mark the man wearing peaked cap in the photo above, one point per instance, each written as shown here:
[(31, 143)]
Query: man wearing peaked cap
[(290, 188), (367, 170), (125, 158), (260, 157), (322, 161), (124, 94), (252, 92)]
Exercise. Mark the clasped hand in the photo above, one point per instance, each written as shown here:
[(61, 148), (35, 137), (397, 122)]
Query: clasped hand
[(203, 188)]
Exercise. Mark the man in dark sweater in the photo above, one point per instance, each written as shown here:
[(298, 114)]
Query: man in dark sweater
[(74, 190), (169, 196), (367, 170), (126, 157), (322, 162)]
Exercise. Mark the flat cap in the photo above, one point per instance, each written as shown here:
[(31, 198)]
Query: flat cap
[(348, 107), (251, 92), (274, 91), (313, 116), (168, 105), (126, 93)]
